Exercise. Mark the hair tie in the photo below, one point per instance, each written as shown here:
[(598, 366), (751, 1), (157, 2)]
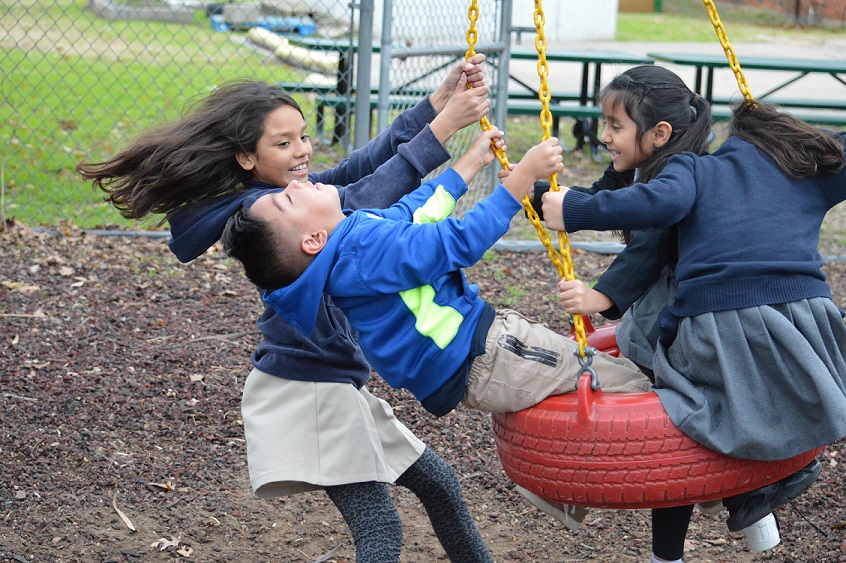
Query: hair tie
[(694, 113)]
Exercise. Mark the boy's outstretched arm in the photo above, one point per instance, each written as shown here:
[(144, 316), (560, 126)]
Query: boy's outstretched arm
[(540, 161), (480, 154)]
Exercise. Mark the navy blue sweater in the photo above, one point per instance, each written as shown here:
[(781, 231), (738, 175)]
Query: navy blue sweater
[(747, 233), (635, 269), (647, 251)]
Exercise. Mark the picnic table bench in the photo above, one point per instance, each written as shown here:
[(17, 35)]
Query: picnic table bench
[(823, 111), (521, 100), (586, 110), (520, 103), (724, 113)]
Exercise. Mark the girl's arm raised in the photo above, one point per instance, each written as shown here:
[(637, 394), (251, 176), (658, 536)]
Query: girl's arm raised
[(411, 125)]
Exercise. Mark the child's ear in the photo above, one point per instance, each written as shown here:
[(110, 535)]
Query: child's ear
[(245, 159), (661, 134), (314, 242)]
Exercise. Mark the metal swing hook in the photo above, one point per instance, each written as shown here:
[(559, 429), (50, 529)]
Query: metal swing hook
[(585, 365)]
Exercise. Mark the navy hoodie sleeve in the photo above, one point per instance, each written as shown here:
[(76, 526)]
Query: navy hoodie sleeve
[(195, 228), (662, 202), (366, 160), (611, 180), (635, 269), (391, 165)]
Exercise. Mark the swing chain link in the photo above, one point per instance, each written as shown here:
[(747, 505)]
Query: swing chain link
[(563, 257), (472, 37), (729, 50), (543, 73), (472, 33)]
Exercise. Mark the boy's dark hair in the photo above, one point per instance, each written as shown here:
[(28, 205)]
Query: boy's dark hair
[(190, 160), (798, 148), (271, 259), (650, 94)]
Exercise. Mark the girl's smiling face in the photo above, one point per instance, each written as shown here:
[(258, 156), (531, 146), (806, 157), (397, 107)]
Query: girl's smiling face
[(283, 152), (620, 136)]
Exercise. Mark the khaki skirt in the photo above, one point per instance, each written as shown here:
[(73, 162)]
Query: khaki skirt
[(304, 435)]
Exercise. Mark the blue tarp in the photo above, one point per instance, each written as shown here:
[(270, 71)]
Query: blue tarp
[(278, 24)]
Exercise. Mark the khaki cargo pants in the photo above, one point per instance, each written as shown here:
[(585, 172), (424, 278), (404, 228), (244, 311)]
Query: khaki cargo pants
[(525, 362)]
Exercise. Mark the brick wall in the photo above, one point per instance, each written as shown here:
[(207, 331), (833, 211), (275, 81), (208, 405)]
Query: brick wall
[(831, 10), (636, 5)]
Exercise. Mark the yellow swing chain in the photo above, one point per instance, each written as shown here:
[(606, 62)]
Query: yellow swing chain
[(472, 37), (561, 258), (732, 58)]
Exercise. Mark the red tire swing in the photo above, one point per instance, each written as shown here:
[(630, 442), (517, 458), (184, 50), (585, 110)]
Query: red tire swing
[(619, 450)]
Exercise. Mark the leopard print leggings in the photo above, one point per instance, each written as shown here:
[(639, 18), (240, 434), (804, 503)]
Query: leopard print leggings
[(376, 526)]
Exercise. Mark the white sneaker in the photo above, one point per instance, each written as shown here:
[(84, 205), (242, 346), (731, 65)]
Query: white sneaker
[(763, 534), (710, 507), (569, 515)]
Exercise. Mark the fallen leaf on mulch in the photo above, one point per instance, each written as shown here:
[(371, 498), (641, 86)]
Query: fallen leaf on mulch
[(123, 516)]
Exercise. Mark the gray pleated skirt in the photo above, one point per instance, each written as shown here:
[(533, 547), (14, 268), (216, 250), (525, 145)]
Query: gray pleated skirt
[(637, 334), (303, 436), (762, 383)]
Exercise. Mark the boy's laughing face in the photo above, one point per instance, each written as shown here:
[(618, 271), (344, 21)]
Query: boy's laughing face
[(303, 207)]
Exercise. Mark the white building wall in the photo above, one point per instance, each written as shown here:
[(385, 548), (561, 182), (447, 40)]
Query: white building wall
[(569, 21)]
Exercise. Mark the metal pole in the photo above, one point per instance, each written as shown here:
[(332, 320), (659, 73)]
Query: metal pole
[(363, 72), (385, 67), (502, 50), (501, 113)]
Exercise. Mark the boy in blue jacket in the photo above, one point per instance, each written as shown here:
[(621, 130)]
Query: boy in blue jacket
[(396, 275)]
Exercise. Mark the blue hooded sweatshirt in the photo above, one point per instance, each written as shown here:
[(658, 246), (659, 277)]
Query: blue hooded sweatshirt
[(396, 275), (377, 175)]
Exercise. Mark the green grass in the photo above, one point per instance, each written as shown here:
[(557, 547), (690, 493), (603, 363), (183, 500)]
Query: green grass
[(688, 21), (77, 87)]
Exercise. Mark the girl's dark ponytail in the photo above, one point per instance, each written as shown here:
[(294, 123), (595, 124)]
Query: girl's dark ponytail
[(691, 137), (798, 148)]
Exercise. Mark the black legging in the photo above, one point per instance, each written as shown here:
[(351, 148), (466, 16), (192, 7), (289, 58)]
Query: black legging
[(376, 526), (669, 528)]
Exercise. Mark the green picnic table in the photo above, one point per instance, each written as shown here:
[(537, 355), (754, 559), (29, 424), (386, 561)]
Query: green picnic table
[(586, 111), (580, 103), (790, 69)]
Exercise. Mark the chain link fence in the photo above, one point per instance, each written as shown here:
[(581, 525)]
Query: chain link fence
[(81, 79)]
